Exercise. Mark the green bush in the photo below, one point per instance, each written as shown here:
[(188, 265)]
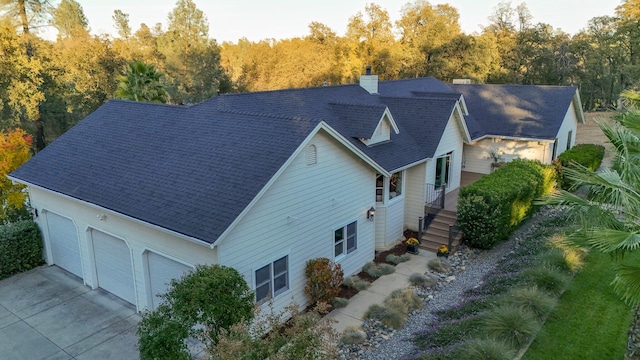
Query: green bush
[(353, 335), (387, 269), (355, 282), (324, 278), (490, 209), (200, 305), (340, 303), (533, 299), (372, 269), (485, 349), (394, 259), (511, 324), (547, 278), (20, 247), (587, 155)]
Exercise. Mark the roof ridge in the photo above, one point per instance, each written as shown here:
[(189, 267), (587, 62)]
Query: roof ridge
[(272, 116), (353, 104), (174, 106)]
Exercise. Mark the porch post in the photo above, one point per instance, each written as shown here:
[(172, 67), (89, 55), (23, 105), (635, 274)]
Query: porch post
[(443, 194), (420, 224)]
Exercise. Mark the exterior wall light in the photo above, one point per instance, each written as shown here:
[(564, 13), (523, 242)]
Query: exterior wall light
[(371, 213)]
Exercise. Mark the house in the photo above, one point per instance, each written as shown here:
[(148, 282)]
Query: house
[(137, 193)]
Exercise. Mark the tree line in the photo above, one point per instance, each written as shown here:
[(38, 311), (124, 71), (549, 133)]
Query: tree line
[(48, 86)]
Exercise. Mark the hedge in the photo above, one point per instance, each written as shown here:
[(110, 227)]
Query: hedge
[(20, 247), (587, 155), (490, 209)]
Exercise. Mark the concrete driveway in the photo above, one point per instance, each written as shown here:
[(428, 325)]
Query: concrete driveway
[(47, 313)]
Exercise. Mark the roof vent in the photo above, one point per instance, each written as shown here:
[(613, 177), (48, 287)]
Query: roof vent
[(462, 81)]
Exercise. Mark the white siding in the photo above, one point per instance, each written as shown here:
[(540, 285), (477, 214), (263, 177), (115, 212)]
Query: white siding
[(570, 123), (138, 236), (298, 214), (451, 140), (477, 157), (414, 195)]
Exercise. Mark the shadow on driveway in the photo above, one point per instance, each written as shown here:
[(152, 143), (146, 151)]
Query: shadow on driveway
[(47, 313)]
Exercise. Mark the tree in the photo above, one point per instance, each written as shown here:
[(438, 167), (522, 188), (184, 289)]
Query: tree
[(15, 150), (192, 59), (609, 214), (70, 20), (121, 23), (141, 82), (199, 305), (25, 14)]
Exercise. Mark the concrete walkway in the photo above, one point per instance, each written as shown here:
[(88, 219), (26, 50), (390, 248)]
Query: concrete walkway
[(353, 314), (47, 313)]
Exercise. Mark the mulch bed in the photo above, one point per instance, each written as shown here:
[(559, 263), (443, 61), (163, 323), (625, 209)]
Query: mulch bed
[(400, 249)]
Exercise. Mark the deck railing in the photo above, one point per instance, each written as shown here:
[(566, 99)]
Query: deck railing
[(435, 196)]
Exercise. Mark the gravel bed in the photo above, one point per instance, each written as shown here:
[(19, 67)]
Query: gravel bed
[(469, 266)]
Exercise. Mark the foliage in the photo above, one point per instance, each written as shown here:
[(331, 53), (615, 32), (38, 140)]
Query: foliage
[(355, 282), (199, 305), (353, 335), (15, 146), (21, 247), (439, 264), (412, 241), (141, 82), (490, 209), (547, 278), (513, 325), (372, 269), (532, 299), (587, 155), (396, 308), (417, 279), (324, 278), (339, 303), (279, 336), (386, 269), (394, 259), (485, 349)]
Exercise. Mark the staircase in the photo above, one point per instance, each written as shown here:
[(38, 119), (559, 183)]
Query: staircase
[(438, 232)]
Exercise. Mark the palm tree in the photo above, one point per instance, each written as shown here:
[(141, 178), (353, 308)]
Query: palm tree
[(141, 82), (609, 211)]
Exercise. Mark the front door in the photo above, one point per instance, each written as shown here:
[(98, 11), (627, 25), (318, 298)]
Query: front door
[(443, 170)]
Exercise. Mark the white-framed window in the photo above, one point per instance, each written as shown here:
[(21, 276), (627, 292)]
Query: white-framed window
[(394, 184), (345, 239), (443, 170), (272, 279)]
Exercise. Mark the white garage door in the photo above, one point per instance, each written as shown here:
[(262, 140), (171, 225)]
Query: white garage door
[(113, 265), (161, 271), (63, 239)]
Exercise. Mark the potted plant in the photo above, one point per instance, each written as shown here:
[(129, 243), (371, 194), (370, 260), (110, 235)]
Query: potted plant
[(443, 250), (412, 245)]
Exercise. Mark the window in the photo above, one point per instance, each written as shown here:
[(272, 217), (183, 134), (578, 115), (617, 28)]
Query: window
[(395, 185), (346, 239), (443, 168), (272, 279), (569, 138)]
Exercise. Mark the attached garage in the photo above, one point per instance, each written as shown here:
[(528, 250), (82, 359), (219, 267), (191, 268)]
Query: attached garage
[(63, 242), (113, 265), (161, 270)]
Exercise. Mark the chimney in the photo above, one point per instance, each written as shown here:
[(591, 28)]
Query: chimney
[(462, 81), (369, 82)]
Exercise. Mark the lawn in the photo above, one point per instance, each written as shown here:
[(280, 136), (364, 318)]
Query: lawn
[(590, 321)]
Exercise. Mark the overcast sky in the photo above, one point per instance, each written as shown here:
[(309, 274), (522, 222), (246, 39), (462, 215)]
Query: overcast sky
[(230, 20)]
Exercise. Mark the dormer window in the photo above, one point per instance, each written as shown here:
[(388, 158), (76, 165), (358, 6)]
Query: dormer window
[(390, 187), (382, 132)]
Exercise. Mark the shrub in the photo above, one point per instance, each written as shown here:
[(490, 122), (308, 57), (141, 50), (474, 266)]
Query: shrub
[(417, 279), (397, 259), (324, 278), (339, 302), (386, 269), (372, 270), (538, 302), (396, 308), (485, 349), (513, 325), (492, 207), (547, 279), (355, 282), (199, 305), (439, 265), (564, 254), (353, 335), (587, 155), (375, 311), (20, 247)]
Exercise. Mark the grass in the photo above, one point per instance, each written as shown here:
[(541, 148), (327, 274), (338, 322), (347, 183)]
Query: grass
[(590, 321)]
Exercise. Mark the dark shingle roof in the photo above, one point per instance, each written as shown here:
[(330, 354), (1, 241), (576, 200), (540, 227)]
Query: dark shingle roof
[(527, 111), (189, 170)]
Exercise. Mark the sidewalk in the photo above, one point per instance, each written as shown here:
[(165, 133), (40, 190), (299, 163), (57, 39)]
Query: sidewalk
[(353, 314)]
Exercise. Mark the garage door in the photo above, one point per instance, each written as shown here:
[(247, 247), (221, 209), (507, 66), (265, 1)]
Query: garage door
[(161, 271), (113, 265), (63, 239)]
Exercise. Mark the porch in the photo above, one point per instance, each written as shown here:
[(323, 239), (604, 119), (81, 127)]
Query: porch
[(451, 198)]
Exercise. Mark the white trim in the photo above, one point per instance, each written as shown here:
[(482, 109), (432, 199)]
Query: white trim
[(577, 104), (321, 126), (409, 165), (112, 212), (466, 135), (147, 274), (391, 121)]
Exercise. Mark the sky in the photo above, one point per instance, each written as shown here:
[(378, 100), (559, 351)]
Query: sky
[(230, 20)]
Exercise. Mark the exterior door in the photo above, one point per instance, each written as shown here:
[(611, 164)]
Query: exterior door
[(113, 265), (63, 241), (161, 271)]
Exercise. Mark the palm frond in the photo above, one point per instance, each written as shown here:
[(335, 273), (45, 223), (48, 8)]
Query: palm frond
[(627, 283), (611, 240)]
